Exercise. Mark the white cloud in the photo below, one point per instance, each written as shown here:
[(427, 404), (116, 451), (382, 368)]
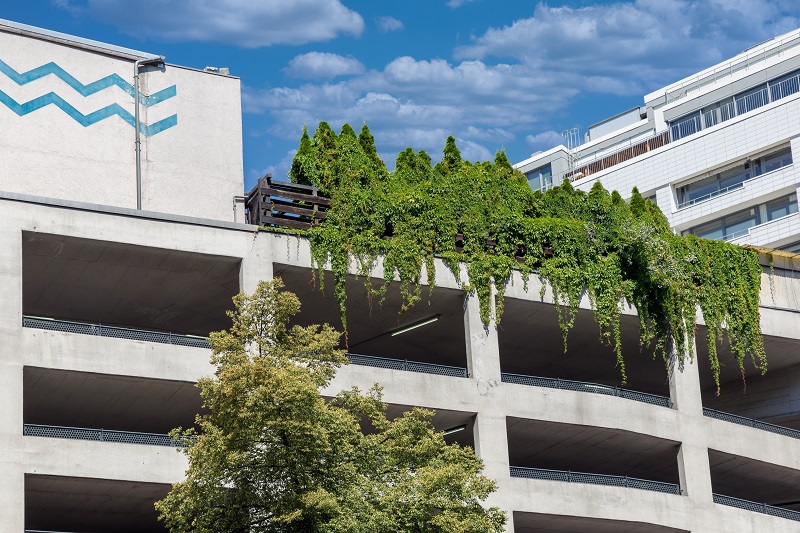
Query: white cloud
[(472, 151), (278, 170), (494, 134), (238, 22), (627, 48), (322, 65), (458, 3), (545, 140), (390, 24), (515, 83)]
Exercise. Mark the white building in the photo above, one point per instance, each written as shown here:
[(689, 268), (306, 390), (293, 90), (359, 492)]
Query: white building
[(714, 150), (91, 287)]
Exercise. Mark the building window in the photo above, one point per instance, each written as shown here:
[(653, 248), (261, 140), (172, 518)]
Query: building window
[(775, 161), (731, 179), (540, 179), (686, 126), (752, 99), (729, 227), (720, 183), (738, 224), (782, 207), (793, 248)]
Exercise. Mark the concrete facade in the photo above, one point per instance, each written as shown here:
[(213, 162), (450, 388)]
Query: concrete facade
[(96, 302), (67, 110), (489, 403)]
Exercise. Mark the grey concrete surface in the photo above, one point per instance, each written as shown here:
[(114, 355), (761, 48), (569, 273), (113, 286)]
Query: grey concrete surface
[(506, 422)]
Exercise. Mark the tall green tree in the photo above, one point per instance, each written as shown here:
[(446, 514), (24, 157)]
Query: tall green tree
[(272, 454)]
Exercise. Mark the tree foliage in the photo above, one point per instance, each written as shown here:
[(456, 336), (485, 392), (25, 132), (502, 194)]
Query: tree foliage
[(272, 455), (580, 243)]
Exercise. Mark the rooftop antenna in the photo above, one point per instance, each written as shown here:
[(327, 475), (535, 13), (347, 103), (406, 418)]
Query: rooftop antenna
[(573, 140)]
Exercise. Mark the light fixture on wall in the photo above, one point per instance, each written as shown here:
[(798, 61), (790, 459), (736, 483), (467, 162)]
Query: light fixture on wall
[(415, 325), (454, 430)]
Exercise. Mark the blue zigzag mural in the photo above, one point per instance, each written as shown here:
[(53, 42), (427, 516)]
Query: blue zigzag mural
[(85, 90)]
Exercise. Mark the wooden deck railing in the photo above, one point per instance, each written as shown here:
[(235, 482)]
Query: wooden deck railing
[(285, 204)]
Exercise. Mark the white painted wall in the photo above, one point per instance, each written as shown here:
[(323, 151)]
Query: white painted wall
[(192, 168)]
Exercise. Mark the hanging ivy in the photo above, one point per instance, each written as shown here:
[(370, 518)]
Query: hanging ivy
[(486, 216)]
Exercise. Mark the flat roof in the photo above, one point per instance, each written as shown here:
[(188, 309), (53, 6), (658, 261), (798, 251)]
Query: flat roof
[(9, 26)]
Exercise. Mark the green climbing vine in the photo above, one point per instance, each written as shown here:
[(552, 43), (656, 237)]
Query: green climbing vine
[(486, 216)]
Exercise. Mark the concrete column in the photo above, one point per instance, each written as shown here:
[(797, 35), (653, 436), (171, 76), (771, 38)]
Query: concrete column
[(684, 385), (483, 351), (11, 398), (12, 498), (256, 264), (10, 287), (694, 472), (12, 486), (491, 445), (693, 467)]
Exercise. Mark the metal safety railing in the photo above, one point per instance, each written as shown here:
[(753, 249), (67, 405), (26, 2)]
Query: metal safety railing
[(582, 386), (101, 435), (743, 61), (772, 91), (42, 531), (406, 365), (87, 328), (594, 479), (751, 422), (757, 507)]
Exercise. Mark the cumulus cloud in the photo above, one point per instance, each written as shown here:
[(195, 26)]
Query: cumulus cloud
[(390, 24), (278, 170), (322, 65), (416, 102), (513, 84), (544, 141), (458, 3), (631, 47), (247, 24)]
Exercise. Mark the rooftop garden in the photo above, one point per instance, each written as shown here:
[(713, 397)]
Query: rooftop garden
[(485, 216)]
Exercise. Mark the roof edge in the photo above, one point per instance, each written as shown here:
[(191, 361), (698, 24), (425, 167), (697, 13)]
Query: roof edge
[(9, 26)]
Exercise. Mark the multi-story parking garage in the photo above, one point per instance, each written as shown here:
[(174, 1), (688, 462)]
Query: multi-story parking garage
[(104, 308), (103, 314)]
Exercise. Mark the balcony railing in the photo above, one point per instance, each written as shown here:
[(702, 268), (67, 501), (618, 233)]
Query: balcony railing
[(406, 365), (101, 435), (582, 386), (757, 507), (595, 479), (771, 92), (604, 159), (750, 422), (86, 328)]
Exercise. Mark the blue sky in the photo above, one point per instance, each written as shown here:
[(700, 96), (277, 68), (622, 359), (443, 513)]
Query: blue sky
[(494, 73)]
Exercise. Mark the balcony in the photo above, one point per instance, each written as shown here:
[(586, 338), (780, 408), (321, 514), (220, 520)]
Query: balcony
[(125, 288), (744, 103), (562, 523), (62, 504), (532, 353), (427, 338), (75, 405), (758, 486), (579, 453)]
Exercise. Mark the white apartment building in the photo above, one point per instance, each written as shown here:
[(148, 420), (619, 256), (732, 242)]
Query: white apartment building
[(109, 283), (714, 150)]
